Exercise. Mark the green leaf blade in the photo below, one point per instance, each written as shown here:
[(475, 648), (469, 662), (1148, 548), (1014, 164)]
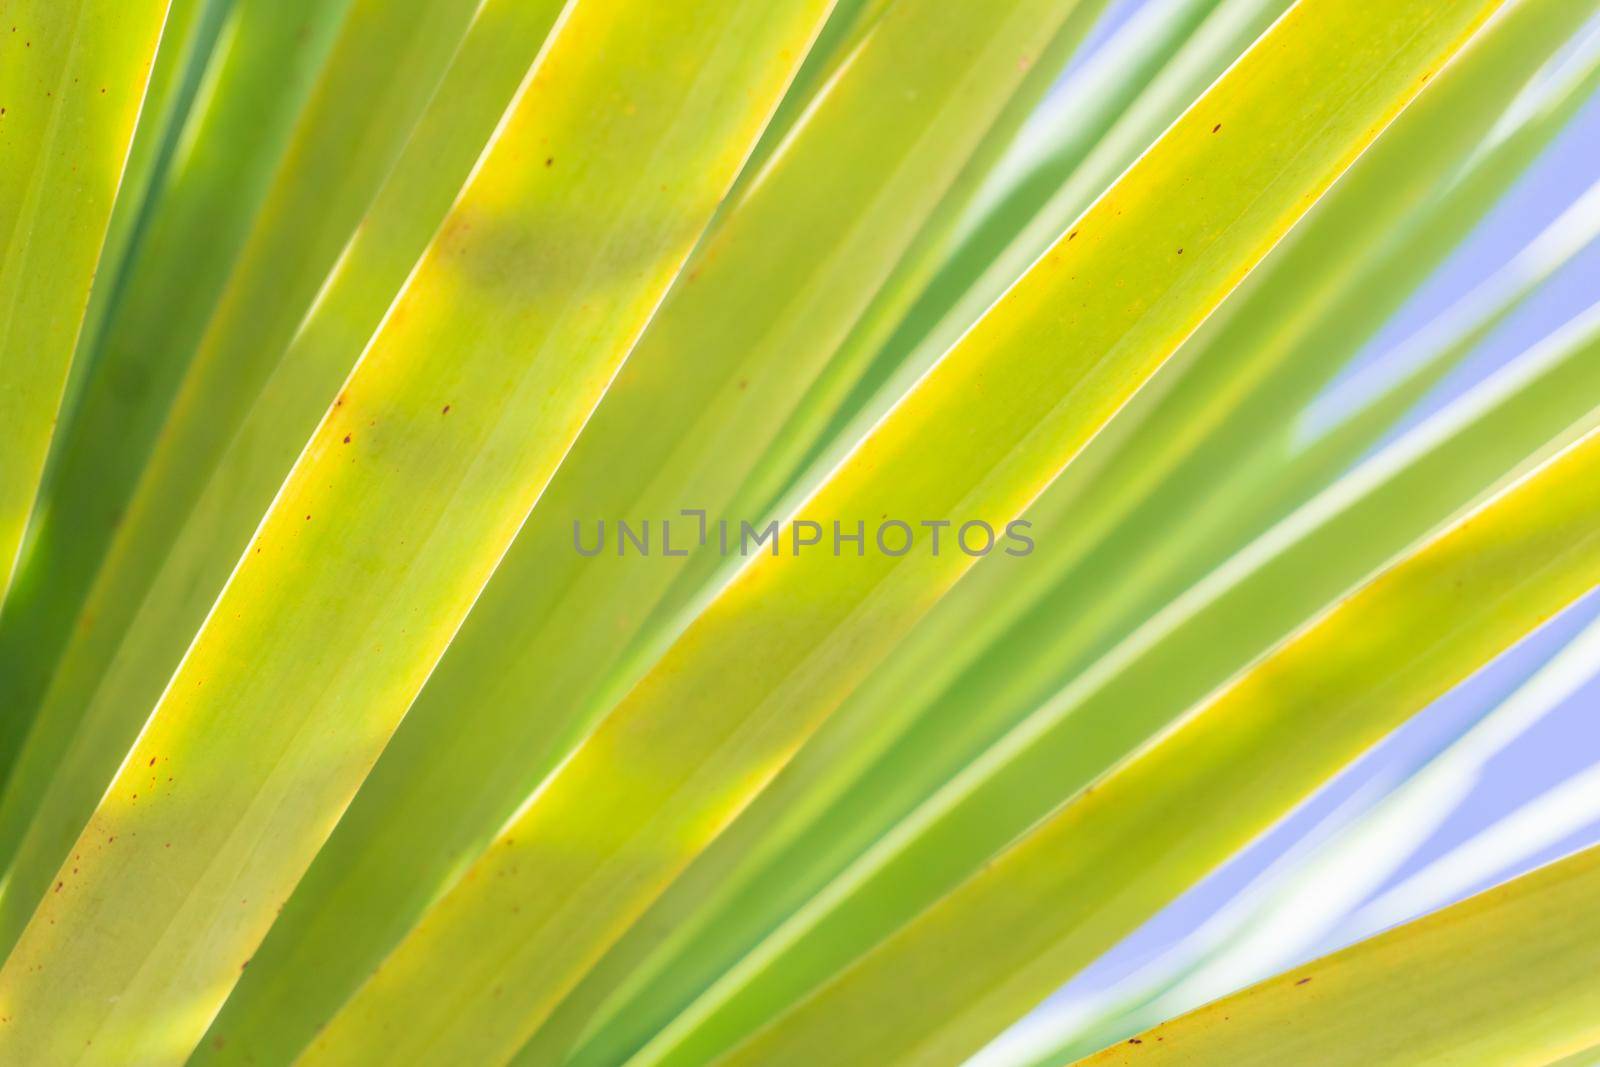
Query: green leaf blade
[(1503, 977), (378, 544), (72, 80)]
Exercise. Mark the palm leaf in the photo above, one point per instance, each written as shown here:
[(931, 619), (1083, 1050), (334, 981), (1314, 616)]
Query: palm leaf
[(231, 141), (248, 389), (494, 266), (793, 664), (1126, 845), (1434, 991), (72, 82), (325, 739), (867, 824), (793, 251)]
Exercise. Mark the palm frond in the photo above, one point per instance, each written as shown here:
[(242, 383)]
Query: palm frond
[(577, 532)]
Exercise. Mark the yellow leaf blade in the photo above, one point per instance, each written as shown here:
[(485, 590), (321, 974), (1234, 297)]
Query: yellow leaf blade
[(73, 76), (1504, 977), (395, 515)]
